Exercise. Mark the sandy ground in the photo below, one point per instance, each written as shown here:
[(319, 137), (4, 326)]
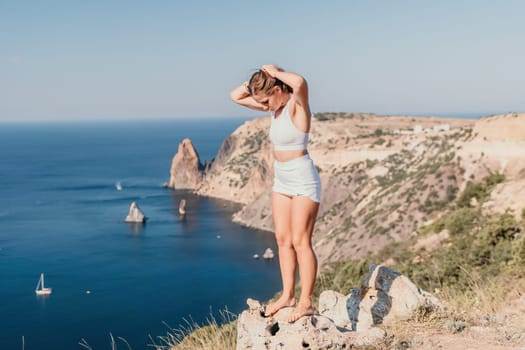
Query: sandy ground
[(505, 330)]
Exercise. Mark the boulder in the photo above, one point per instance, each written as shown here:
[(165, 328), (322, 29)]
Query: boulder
[(385, 296), (135, 214)]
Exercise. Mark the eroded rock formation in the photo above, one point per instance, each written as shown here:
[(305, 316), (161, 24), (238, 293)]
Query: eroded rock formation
[(343, 322), (186, 168)]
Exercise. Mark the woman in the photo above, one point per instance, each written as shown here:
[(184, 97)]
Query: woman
[(297, 187)]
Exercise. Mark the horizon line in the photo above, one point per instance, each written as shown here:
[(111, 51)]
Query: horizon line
[(461, 115)]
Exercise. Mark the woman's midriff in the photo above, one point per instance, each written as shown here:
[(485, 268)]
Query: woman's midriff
[(285, 156)]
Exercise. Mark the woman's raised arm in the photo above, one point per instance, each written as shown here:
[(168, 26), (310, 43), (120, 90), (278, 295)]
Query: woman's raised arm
[(240, 95), (293, 80)]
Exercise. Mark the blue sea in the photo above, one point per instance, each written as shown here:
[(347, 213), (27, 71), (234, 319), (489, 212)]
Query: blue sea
[(61, 215)]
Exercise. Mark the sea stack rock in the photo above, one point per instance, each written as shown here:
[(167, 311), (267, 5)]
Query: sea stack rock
[(186, 168), (182, 207), (135, 214)]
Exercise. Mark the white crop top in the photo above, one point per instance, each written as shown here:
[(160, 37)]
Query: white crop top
[(284, 134)]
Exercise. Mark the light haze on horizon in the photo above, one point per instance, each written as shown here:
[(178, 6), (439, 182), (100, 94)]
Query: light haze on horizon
[(99, 60)]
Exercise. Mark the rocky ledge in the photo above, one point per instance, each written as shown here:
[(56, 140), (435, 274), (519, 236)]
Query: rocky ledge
[(343, 321)]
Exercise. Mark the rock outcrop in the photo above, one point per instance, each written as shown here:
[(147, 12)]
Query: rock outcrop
[(343, 322), (186, 168), (135, 214), (385, 296)]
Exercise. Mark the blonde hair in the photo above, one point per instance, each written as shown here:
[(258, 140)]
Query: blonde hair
[(262, 84)]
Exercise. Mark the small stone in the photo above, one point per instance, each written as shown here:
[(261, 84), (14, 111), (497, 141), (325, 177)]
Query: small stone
[(268, 253), (253, 304), (479, 329), (455, 326)]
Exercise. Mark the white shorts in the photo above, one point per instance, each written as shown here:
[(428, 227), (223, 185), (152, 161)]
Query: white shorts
[(297, 177)]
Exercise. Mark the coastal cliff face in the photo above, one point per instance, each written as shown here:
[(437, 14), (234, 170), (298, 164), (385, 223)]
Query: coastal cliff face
[(382, 177), (243, 172)]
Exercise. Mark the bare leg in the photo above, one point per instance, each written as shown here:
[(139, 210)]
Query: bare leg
[(303, 215), (281, 206)]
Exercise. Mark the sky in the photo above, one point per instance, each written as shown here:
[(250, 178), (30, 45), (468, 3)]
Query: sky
[(111, 60)]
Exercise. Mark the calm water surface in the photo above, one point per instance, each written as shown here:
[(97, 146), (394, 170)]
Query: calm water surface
[(62, 215)]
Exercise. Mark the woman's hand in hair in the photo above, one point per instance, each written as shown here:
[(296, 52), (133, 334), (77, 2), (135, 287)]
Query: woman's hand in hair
[(271, 70)]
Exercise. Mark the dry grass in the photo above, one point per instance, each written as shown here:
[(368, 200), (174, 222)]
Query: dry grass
[(213, 335), (483, 297), (483, 304), (113, 343)]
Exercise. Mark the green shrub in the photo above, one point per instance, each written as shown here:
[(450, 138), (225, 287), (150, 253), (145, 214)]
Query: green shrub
[(321, 117), (459, 221), (497, 228), (343, 277), (379, 141), (494, 179), (480, 191), (473, 190), (518, 252), (451, 192)]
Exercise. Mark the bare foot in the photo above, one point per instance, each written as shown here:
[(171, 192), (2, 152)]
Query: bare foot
[(301, 310), (272, 308)]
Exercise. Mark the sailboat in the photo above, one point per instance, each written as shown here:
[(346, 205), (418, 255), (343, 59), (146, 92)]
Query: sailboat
[(40, 289), (118, 186)]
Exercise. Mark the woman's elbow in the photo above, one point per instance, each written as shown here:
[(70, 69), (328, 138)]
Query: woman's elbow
[(234, 97), (300, 84)]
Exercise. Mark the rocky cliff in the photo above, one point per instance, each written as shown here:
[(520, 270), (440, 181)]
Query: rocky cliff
[(382, 176), (186, 168)]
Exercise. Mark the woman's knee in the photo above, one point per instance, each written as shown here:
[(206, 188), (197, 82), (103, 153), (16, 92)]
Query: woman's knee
[(284, 239), (301, 242)]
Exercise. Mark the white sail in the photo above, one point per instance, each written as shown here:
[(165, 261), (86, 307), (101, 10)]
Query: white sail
[(40, 288), (39, 284)]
